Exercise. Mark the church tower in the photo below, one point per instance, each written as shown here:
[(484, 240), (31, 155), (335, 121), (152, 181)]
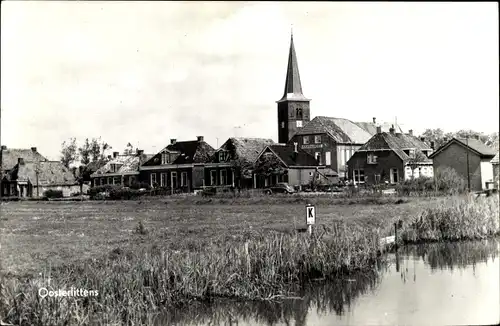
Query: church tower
[(293, 108)]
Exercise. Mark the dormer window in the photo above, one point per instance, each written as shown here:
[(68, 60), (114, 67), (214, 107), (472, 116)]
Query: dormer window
[(165, 158), (306, 140), (223, 156), (412, 153)]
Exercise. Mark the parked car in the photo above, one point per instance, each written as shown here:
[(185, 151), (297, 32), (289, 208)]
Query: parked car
[(280, 188)]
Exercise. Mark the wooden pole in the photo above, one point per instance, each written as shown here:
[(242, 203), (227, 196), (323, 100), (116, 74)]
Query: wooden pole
[(468, 172)]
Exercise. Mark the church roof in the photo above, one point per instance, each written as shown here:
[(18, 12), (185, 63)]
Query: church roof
[(371, 127), (293, 87), (341, 130)]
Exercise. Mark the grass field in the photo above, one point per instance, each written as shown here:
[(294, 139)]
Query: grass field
[(145, 255), (35, 235)]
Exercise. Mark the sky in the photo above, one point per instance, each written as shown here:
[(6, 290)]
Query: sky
[(146, 72)]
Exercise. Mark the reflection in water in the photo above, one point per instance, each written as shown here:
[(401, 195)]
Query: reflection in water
[(387, 295), (326, 297)]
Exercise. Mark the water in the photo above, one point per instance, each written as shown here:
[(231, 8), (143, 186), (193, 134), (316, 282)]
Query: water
[(434, 284)]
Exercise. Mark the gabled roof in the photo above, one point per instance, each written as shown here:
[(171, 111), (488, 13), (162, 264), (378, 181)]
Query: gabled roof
[(127, 164), (95, 165), (475, 145), (50, 173), (495, 160), (397, 142), (341, 130), (10, 156), (293, 87), (190, 152), (286, 154), (247, 149)]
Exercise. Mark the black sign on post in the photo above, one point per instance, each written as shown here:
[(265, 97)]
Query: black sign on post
[(310, 217)]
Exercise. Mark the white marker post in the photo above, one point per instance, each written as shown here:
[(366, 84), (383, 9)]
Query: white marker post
[(310, 217)]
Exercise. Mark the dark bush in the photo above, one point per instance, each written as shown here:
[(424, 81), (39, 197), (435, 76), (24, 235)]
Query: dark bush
[(52, 193), (140, 185), (95, 191)]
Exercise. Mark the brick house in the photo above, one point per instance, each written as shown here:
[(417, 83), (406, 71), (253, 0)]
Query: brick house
[(390, 157), (179, 167), (119, 170), (9, 158), (285, 163), (468, 157), (494, 163), (233, 162)]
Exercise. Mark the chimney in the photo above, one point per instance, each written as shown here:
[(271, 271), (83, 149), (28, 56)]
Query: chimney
[(374, 120), (379, 129), (33, 149), (410, 132), (422, 139), (432, 145), (109, 157), (200, 138), (391, 130), (445, 139), (173, 141), (115, 154), (140, 151), (20, 161), (4, 147)]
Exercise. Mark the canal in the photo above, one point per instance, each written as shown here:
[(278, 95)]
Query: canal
[(431, 284)]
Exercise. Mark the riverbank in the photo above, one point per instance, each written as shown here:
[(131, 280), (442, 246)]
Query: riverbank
[(184, 253)]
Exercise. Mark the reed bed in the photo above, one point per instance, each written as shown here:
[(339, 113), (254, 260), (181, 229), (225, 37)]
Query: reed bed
[(133, 286), (456, 218)]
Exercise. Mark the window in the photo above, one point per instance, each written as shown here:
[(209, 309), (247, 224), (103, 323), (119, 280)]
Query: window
[(223, 177), (372, 158), (359, 175), (298, 113), (110, 181), (153, 179), (317, 156), (184, 177), (282, 124), (305, 140), (342, 157), (377, 178), (394, 175), (299, 123), (173, 177), (117, 181), (328, 158), (112, 167), (213, 177), (223, 156), (165, 158), (163, 179), (317, 139), (412, 153)]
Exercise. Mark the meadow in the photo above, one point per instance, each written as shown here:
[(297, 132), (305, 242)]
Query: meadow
[(145, 255)]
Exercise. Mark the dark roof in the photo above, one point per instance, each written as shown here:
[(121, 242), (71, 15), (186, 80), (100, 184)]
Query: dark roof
[(247, 149), (287, 155), (475, 145), (192, 151), (293, 87), (10, 156), (398, 142), (50, 173), (341, 130)]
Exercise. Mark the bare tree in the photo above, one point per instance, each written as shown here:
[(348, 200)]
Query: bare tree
[(85, 152), (415, 161)]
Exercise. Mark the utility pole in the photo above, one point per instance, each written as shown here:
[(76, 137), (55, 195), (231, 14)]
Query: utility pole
[(468, 172)]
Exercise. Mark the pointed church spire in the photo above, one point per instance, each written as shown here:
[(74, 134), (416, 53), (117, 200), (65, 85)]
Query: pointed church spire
[(293, 87)]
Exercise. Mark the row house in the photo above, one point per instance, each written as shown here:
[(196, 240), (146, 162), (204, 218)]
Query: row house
[(180, 166), (390, 157), (119, 169)]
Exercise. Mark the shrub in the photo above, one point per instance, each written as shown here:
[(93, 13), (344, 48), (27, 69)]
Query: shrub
[(140, 185), (447, 180), (420, 185), (95, 191), (123, 193), (52, 193)]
